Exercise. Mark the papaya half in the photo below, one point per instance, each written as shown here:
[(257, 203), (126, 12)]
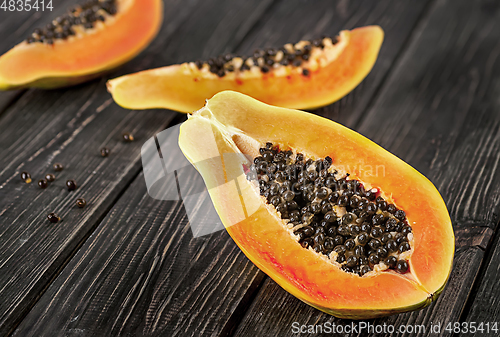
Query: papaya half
[(88, 41), (307, 74), (333, 218)]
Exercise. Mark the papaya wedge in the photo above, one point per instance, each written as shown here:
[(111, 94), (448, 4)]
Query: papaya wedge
[(222, 138), (308, 74), (88, 41)]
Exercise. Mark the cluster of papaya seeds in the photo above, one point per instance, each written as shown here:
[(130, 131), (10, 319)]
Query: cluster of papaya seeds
[(335, 216), (83, 17)]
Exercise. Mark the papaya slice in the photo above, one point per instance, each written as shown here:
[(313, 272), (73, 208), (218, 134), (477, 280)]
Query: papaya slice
[(234, 132), (308, 74), (88, 41)]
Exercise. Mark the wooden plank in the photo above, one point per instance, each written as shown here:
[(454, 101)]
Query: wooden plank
[(438, 111), (484, 306), (472, 235), (70, 126), (469, 257), (274, 311), (143, 273), (295, 20), (32, 249), (54, 303), (51, 303), (9, 98)]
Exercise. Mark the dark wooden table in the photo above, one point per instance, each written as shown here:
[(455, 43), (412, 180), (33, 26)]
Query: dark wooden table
[(128, 264)]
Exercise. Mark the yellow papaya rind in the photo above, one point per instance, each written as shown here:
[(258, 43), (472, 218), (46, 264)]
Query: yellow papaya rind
[(185, 88), (87, 55), (230, 116)]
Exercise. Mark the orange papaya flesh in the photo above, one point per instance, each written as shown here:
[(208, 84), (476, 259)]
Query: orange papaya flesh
[(85, 54), (329, 73), (231, 125)]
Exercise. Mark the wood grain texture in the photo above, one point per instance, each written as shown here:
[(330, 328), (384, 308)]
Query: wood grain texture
[(9, 98), (52, 301), (485, 306), (438, 111), (143, 274), (471, 235), (274, 311), (70, 126), (32, 249), (294, 20)]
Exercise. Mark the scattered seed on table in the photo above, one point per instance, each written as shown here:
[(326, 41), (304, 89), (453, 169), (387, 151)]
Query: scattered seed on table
[(58, 167), (50, 177), (128, 137), (105, 152), (26, 177), (71, 185), (81, 202), (53, 217), (42, 183)]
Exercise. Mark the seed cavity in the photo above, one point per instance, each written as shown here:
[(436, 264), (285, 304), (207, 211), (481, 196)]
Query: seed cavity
[(85, 15), (267, 60), (333, 214)]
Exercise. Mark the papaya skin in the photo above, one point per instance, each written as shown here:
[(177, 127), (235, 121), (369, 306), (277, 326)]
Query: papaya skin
[(185, 88), (231, 122), (87, 55)]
